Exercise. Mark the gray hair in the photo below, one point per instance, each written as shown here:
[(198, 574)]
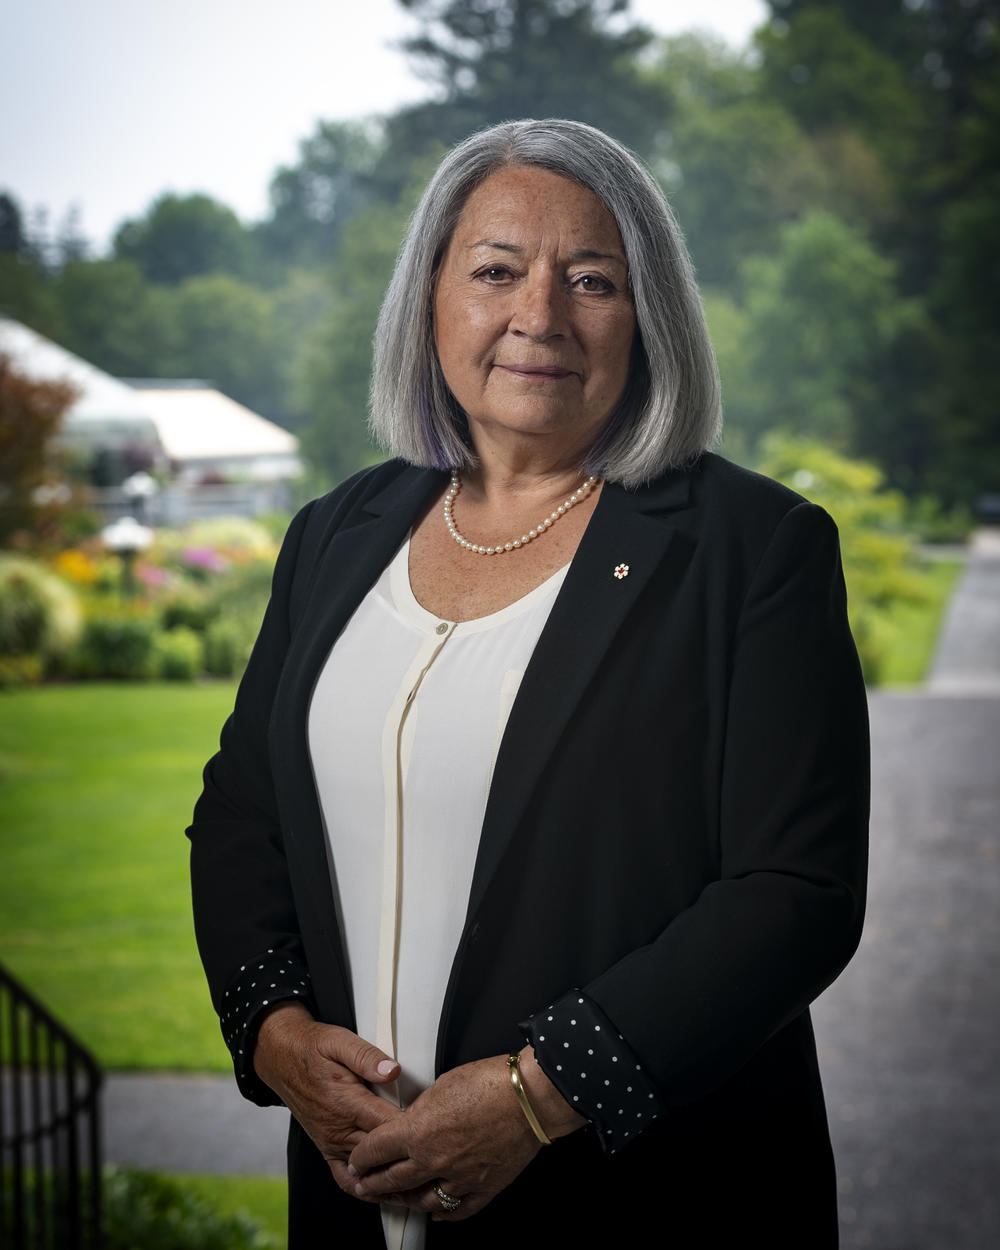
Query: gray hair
[(670, 411)]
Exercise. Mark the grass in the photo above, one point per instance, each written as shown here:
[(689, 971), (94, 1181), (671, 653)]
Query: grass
[(97, 783), (265, 1198), (916, 626)]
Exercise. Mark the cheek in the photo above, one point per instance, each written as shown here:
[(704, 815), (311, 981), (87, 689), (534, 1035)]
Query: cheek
[(618, 354)]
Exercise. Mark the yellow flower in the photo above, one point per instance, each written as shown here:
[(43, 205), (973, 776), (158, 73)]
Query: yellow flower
[(76, 566)]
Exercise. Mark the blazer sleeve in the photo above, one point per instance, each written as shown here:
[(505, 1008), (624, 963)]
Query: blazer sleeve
[(244, 914), (785, 914)]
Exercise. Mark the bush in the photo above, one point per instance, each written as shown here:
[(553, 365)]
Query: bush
[(240, 538), (20, 670), (191, 610), (117, 644), (144, 1211), (178, 654), (38, 613), (39, 618), (225, 649), (879, 564)]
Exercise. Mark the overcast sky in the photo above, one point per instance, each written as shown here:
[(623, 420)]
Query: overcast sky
[(106, 103)]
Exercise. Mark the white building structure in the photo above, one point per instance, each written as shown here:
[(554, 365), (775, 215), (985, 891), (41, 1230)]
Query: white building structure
[(210, 455)]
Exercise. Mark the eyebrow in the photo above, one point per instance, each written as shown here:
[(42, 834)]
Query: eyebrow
[(583, 253)]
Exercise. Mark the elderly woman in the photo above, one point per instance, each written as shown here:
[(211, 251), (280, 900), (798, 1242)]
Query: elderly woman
[(541, 815)]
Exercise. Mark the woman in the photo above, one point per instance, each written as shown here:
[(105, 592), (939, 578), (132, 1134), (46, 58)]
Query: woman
[(541, 815)]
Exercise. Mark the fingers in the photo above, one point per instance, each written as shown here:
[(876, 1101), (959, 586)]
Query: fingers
[(388, 1143), (364, 1060), (398, 1177), (425, 1199)]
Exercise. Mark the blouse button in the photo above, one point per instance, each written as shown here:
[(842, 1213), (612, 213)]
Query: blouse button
[(442, 628)]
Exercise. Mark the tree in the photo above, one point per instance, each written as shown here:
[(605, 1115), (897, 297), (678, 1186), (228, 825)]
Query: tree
[(832, 78), (111, 316), (31, 415), (184, 237), (224, 330), (336, 366), (13, 239), (820, 315), (917, 81), (312, 200), (522, 58)]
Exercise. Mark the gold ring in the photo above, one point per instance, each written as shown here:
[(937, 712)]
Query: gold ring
[(447, 1201)]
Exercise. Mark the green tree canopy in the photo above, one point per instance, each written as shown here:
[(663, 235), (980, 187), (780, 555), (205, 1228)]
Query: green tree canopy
[(112, 316), (313, 199), (185, 236), (517, 58)]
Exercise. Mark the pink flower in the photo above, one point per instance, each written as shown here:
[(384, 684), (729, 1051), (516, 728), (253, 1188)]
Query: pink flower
[(205, 558)]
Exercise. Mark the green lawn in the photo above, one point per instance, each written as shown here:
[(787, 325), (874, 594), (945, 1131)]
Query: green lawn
[(97, 783), (264, 1198)]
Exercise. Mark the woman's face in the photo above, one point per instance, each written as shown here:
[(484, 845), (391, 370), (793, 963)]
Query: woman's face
[(533, 319)]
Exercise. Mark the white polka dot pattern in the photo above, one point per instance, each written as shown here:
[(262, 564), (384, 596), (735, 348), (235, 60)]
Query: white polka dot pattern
[(271, 977), (597, 1072)]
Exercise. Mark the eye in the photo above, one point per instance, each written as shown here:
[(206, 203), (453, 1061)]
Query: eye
[(494, 274), (594, 284)]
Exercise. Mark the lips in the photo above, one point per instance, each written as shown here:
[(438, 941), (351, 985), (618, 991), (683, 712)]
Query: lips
[(540, 372)]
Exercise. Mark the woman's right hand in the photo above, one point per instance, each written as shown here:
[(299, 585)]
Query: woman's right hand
[(321, 1073)]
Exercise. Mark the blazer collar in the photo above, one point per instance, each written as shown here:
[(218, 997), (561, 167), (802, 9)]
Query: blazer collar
[(627, 538)]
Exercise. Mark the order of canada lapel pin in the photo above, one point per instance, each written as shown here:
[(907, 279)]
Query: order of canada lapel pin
[(621, 571)]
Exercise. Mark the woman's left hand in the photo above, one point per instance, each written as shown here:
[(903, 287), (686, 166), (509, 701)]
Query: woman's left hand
[(466, 1134)]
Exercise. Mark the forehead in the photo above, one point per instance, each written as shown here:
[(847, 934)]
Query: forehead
[(524, 202)]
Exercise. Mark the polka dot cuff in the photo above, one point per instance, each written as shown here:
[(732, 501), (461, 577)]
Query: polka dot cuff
[(593, 1067), (272, 977)]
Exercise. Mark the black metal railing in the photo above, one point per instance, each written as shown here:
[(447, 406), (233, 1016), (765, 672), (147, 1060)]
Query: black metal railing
[(50, 1129)]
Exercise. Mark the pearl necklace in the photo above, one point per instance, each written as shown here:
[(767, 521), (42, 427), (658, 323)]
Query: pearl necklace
[(581, 493)]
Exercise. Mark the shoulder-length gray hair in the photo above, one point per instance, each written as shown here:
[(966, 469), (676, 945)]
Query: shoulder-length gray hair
[(670, 411)]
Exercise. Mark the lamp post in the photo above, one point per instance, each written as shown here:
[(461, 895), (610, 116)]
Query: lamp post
[(138, 490), (126, 538)]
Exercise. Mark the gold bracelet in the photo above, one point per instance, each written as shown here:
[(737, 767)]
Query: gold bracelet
[(513, 1062)]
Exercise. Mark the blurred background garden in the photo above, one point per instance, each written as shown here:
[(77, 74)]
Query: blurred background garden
[(837, 179)]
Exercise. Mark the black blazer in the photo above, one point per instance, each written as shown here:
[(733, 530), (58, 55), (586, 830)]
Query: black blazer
[(677, 824)]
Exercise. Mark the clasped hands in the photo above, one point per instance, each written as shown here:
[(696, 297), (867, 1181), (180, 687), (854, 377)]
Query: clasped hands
[(465, 1133)]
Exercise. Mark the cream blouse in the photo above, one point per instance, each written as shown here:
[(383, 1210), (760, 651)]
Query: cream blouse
[(404, 727)]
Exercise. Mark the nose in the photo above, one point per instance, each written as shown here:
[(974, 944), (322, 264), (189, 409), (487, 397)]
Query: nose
[(539, 311)]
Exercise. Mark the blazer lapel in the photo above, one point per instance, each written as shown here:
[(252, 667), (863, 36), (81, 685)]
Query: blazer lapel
[(629, 533)]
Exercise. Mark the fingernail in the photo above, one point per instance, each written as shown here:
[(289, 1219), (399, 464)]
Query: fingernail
[(385, 1067), (352, 1170), (359, 1190)]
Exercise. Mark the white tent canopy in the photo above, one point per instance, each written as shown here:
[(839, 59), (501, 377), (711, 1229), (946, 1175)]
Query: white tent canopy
[(203, 430), (188, 423), (105, 409)]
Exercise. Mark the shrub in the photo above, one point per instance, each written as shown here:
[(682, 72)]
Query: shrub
[(178, 654), (142, 1209), (20, 670), (191, 609), (40, 618), (238, 537), (225, 649), (879, 565), (119, 645)]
